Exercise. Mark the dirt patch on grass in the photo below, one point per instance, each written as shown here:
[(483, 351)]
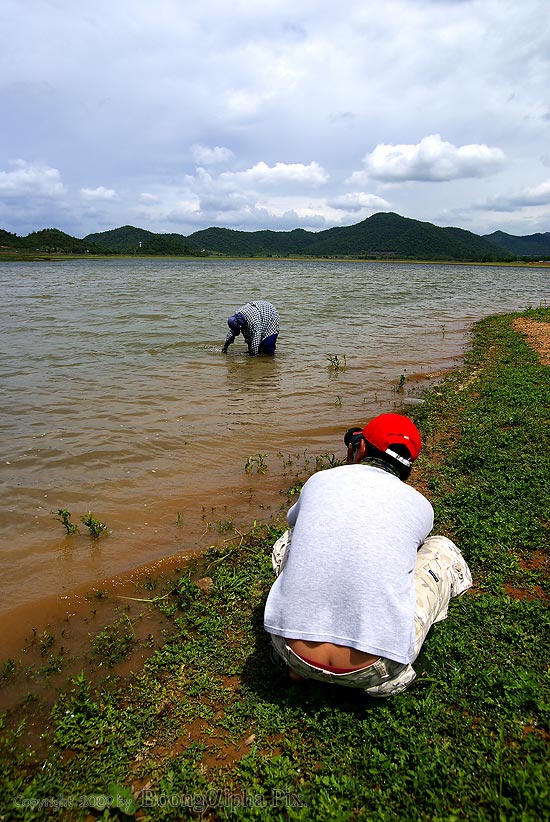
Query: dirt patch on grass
[(534, 592), (538, 336)]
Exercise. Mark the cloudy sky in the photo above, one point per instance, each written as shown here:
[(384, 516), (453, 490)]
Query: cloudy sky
[(176, 115)]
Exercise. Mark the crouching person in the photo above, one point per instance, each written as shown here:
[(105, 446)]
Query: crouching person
[(359, 580)]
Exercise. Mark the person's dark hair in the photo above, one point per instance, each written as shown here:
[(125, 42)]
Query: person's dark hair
[(353, 436)]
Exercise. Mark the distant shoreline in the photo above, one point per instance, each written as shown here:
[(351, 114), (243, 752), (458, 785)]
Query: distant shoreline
[(11, 257)]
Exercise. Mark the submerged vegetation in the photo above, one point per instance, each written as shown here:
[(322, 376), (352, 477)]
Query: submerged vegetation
[(257, 462), (206, 727), (94, 525), (64, 517), (336, 363)]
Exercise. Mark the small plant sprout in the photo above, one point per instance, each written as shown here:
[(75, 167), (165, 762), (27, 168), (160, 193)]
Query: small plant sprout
[(96, 527), (336, 364), (339, 401), (225, 525), (64, 517), (324, 461), (46, 641), (295, 489), (258, 462), (180, 519), (7, 669), (114, 642), (401, 383)]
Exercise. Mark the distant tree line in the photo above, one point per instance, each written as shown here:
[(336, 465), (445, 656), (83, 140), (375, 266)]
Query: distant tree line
[(380, 237)]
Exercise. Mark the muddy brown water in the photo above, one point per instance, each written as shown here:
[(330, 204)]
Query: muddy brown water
[(116, 399)]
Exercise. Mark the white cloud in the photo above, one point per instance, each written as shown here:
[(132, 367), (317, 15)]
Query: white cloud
[(262, 196), (147, 198), (205, 155), (99, 193), (181, 209), (359, 200), (34, 180), (207, 200), (279, 174), (536, 195), (528, 197), (431, 160), (217, 86)]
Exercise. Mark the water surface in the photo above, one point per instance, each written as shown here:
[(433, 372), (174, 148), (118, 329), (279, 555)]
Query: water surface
[(117, 399)]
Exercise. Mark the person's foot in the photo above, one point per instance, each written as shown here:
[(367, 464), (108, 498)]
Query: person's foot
[(294, 676), (279, 663)]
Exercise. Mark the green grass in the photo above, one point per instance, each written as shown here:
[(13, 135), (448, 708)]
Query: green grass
[(208, 728)]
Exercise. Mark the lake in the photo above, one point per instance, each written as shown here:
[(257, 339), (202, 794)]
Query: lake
[(116, 398)]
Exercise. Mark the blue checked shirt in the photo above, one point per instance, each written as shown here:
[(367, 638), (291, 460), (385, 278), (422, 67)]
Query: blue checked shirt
[(262, 320)]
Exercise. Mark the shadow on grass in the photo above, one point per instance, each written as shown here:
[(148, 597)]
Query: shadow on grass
[(270, 681)]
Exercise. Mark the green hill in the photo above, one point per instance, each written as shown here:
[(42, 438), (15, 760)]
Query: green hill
[(532, 245), (49, 240), (121, 240), (252, 243), (382, 235), (390, 235), (8, 240), (131, 240)]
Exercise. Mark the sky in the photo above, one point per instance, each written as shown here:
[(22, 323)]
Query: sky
[(178, 115)]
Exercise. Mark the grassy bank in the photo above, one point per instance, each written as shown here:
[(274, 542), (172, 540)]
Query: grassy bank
[(209, 727)]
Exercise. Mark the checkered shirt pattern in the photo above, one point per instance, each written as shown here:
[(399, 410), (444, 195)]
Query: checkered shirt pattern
[(262, 320)]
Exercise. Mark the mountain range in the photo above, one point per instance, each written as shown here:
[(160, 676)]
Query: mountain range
[(382, 236)]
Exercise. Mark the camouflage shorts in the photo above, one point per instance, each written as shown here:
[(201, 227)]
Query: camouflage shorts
[(441, 573)]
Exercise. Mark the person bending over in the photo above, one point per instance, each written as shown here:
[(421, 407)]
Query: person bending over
[(259, 323), (359, 579)]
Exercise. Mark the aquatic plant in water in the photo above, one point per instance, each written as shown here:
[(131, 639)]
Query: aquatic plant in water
[(258, 461), (64, 517), (336, 364), (96, 527)]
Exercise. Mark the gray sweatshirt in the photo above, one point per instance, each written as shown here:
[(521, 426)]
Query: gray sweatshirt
[(349, 575)]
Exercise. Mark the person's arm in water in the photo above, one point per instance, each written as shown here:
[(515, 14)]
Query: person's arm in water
[(228, 341)]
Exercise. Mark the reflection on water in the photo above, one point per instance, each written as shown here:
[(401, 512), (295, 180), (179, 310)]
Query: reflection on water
[(253, 382), (116, 397)]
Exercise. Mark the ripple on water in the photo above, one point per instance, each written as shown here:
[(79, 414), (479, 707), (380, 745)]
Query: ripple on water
[(116, 397)]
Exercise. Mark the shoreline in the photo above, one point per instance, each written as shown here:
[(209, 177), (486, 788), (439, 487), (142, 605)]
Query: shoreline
[(264, 498), (204, 714), (48, 257), (142, 514)]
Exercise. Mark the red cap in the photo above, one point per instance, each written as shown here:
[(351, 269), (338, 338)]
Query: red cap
[(393, 429)]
